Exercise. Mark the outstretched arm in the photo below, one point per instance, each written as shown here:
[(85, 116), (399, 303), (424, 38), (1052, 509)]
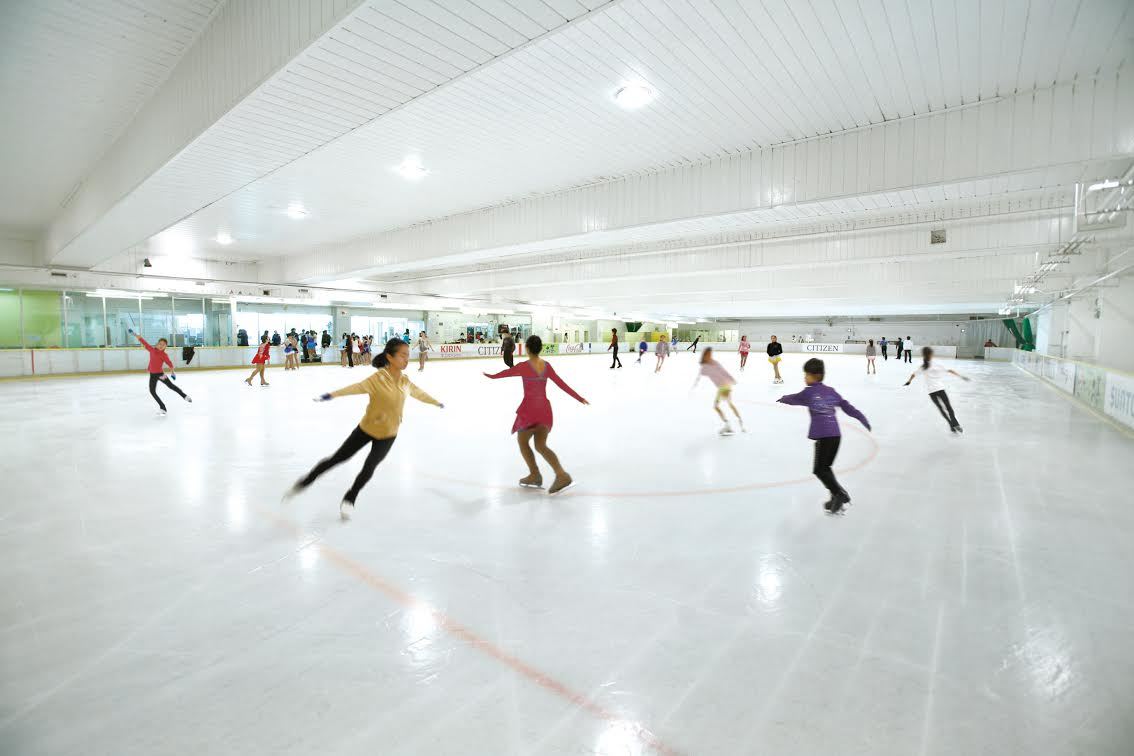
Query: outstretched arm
[(358, 388), (795, 399), (851, 410), (912, 376), (421, 396), (507, 373), (563, 385), (954, 372)]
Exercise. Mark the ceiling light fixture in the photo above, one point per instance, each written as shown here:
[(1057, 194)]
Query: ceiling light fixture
[(634, 95), (224, 238), (296, 211), (411, 169), (1108, 184)]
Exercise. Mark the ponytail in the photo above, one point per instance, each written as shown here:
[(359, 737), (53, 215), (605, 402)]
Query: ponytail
[(926, 353), (391, 348)]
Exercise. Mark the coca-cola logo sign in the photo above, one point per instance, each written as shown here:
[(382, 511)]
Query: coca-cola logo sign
[(572, 348)]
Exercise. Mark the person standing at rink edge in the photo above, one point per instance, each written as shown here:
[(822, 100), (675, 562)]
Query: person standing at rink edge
[(158, 360), (388, 388), (935, 384), (883, 343), (907, 349)]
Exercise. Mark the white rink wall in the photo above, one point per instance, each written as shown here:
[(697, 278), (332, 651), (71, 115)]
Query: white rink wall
[(16, 363), (1106, 391)]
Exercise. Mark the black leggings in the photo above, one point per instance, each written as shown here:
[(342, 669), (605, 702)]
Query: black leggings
[(825, 451), (908, 354), (358, 438), (941, 402), (508, 358), (154, 378), (616, 361), (884, 355)]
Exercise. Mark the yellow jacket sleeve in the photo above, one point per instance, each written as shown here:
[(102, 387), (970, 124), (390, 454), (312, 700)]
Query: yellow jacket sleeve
[(359, 388), (420, 395)]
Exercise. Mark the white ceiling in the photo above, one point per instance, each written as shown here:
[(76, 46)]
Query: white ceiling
[(505, 100), (731, 76), (72, 75)]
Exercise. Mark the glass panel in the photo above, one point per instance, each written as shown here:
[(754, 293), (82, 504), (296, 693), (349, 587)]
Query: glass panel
[(281, 319), (43, 319), (10, 319), (84, 320), (188, 322), (122, 315), (218, 323), (157, 320)]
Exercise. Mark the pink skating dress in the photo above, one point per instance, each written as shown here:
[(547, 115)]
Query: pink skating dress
[(535, 409)]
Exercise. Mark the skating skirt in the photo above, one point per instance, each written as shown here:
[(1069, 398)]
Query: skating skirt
[(532, 413)]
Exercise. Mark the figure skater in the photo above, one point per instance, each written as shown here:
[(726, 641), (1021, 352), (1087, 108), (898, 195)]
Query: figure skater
[(935, 385), (387, 388), (260, 361), (642, 349), (662, 351), (744, 348), (724, 383), (871, 354), (775, 349), (821, 401), (693, 347), (158, 361), (423, 346), (533, 416), (614, 345)]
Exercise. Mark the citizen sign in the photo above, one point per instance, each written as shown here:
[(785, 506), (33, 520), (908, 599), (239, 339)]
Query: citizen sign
[(822, 347)]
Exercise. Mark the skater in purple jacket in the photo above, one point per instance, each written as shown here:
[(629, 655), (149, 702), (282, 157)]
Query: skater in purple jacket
[(821, 401)]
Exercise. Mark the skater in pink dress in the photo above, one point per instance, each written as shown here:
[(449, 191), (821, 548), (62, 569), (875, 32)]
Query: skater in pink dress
[(745, 347), (533, 416)]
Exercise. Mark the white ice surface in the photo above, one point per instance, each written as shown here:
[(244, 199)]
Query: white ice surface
[(688, 596)]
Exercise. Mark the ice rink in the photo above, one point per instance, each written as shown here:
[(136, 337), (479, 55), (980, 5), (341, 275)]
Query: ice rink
[(687, 596)]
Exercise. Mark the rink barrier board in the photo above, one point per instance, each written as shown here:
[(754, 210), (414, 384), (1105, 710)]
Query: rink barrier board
[(37, 363), (1107, 392)]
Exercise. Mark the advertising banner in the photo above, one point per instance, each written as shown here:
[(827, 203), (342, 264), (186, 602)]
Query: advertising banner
[(1090, 386), (1119, 402), (823, 348)]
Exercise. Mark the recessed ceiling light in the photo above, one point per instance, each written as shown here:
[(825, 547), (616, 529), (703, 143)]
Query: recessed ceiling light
[(411, 169), (633, 96), (295, 211), (224, 238)]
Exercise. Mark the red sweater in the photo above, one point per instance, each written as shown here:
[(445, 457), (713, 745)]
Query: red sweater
[(157, 357)]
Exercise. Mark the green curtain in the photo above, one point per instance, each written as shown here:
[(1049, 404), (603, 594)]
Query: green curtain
[(1024, 340)]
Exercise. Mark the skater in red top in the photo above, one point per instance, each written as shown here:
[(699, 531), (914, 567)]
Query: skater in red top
[(533, 416), (260, 361), (158, 360)]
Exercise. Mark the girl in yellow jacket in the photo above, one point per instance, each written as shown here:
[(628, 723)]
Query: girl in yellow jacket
[(388, 389)]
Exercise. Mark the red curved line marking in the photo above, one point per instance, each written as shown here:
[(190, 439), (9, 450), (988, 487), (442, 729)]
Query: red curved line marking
[(694, 492), (467, 635)]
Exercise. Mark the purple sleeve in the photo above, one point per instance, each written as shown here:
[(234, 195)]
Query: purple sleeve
[(851, 410), (799, 399)]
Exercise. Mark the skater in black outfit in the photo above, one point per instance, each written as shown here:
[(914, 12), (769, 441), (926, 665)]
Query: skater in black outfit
[(883, 343), (508, 349), (934, 384), (693, 346), (614, 345)]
